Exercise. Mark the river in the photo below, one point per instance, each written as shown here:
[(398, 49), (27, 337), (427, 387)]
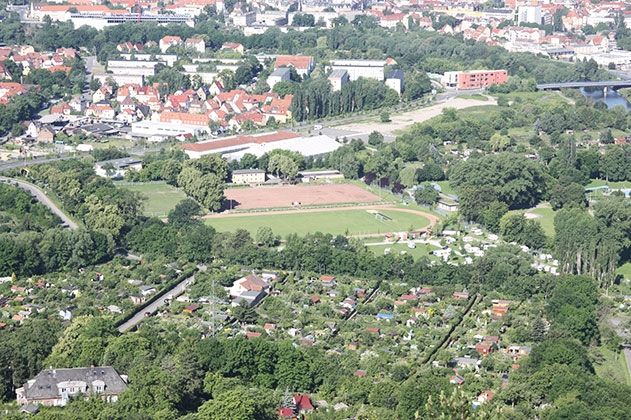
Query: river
[(612, 99)]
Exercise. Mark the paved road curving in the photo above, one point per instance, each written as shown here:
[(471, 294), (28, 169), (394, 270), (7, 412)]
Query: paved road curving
[(42, 198), (153, 307)]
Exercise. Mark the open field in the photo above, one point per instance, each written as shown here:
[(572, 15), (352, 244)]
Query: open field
[(625, 271), (445, 188), (601, 183), (543, 214), (351, 221), (160, 197), (612, 366), (307, 195), (403, 120), (421, 250)]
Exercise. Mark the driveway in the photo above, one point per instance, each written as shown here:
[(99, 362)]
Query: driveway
[(153, 307)]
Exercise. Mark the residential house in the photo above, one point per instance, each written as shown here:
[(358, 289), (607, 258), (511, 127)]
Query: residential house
[(101, 111), (248, 283), (55, 387), (168, 42), (304, 64), (137, 300), (61, 108), (517, 352), (46, 134), (282, 74), (328, 280), (485, 348), (128, 47), (101, 94), (465, 363), (233, 46), (196, 44), (191, 309), (461, 295), (456, 380)]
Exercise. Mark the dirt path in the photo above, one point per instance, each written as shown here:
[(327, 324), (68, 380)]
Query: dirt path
[(432, 219), (403, 120)]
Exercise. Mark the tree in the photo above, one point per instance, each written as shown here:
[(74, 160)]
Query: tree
[(426, 195), (239, 403), (517, 228), (375, 139), (384, 116), (303, 20), (606, 137), (614, 164), (491, 216), (283, 165), (505, 177), (430, 171), (83, 343), (265, 236), (244, 314), (184, 213), (567, 195)]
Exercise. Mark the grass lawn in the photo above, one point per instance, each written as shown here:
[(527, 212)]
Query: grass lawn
[(546, 217), (353, 222), (601, 183), (625, 270), (445, 188), (111, 142), (160, 197), (421, 250), (612, 366), (475, 96)]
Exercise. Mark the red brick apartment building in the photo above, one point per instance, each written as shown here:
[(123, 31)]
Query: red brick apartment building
[(474, 79)]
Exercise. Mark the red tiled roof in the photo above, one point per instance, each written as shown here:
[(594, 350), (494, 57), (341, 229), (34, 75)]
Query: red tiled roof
[(303, 402), (185, 118), (253, 283), (239, 141), (302, 62)]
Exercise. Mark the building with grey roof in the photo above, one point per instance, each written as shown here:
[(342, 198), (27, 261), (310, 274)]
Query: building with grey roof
[(282, 74), (338, 79), (117, 168), (55, 387), (394, 80)]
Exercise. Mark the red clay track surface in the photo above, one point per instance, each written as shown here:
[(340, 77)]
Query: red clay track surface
[(306, 195)]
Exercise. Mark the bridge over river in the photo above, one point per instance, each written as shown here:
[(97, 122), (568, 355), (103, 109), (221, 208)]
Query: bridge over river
[(611, 84)]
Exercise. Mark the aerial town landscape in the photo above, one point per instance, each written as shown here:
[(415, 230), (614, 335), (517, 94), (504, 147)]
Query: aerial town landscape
[(315, 209)]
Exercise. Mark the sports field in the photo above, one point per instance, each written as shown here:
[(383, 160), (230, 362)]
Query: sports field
[(283, 196), (339, 221), (160, 197)]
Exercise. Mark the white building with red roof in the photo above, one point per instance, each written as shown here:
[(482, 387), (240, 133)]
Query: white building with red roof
[(233, 148), (168, 42), (196, 44), (304, 64)]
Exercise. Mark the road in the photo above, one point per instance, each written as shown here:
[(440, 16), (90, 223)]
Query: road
[(154, 306), (4, 166), (42, 198)]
